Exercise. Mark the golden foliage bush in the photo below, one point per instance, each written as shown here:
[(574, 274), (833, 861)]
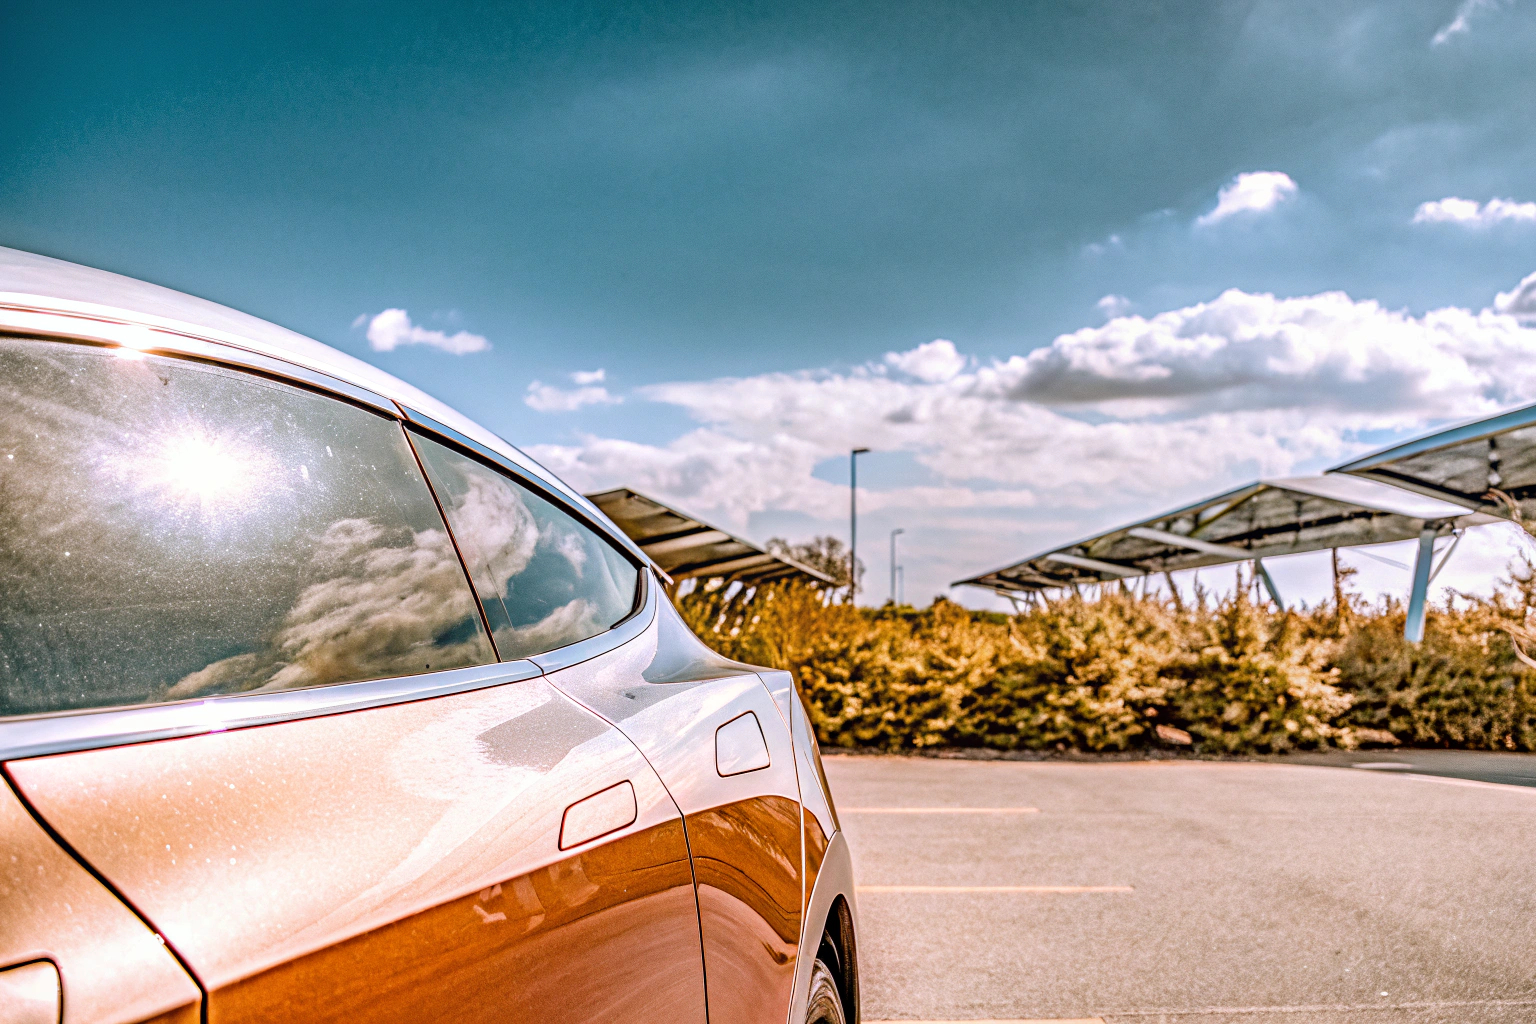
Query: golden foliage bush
[(1100, 673)]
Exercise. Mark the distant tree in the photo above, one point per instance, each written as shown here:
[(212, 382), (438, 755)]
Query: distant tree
[(827, 554)]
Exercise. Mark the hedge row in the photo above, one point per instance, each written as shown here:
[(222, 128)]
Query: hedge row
[(1102, 673)]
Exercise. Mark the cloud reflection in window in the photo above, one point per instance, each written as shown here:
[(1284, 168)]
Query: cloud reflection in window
[(544, 579)]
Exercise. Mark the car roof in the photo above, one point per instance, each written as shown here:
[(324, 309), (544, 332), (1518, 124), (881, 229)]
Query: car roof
[(40, 283)]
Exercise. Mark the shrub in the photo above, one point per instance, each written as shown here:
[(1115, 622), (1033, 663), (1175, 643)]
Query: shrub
[(1252, 682), (1101, 672)]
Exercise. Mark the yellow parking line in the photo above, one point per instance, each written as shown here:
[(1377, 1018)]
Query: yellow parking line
[(938, 810), (996, 888)]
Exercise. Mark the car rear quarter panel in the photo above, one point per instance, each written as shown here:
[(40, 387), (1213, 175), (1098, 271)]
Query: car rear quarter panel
[(828, 865), (669, 694)]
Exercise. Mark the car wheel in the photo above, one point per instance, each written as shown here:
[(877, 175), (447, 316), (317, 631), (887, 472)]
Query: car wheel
[(824, 1005)]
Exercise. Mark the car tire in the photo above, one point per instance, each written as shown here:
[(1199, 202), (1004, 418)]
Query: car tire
[(823, 1005)]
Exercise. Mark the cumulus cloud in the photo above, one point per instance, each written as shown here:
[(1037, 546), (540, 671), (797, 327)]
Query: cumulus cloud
[(933, 362), (1461, 24), (588, 391), (1113, 305), (1135, 414), (1244, 352), (1186, 400), (1520, 301), (392, 328), (1472, 214), (1249, 193)]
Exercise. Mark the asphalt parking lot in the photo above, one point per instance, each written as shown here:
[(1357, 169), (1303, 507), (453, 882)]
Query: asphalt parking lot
[(1190, 891)]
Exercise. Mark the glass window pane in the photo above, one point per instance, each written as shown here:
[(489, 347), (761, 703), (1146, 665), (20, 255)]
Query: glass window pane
[(172, 530), (544, 579)]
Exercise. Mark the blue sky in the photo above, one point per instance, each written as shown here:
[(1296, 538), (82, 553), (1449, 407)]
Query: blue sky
[(759, 221)]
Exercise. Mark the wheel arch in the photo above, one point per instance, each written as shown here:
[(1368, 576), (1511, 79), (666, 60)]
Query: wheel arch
[(831, 913), (838, 933)]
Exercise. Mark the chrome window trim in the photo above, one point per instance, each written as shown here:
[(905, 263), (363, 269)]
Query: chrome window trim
[(622, 633), (160, 341), (66, 731), (429, 426)]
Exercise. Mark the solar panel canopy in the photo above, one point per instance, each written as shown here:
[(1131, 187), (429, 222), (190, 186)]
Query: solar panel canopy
[(1263, 519), (1473, 464), (686, 547)]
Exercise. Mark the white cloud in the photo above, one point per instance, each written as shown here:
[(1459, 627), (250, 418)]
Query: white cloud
[(548, 398), (1104, 423), (1462, 22), (933, 362), (1470, 213), (1100, 248), (1113, 305), (392, 328), (1243, 352), (1520, 301), (1250, 192)]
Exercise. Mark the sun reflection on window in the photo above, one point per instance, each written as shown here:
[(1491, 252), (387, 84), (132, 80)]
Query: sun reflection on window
[(208, 470)]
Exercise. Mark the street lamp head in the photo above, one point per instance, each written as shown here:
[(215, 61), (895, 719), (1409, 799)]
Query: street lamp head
[(861, 451)]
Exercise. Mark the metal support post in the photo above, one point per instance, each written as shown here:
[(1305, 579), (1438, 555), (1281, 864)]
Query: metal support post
[(1269, 583), (1418, 598)]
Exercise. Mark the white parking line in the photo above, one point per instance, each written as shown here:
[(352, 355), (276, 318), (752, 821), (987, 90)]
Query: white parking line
[(997, 888), (1241, 1011), (1010, 1020), (938, 810), (1468, 783)]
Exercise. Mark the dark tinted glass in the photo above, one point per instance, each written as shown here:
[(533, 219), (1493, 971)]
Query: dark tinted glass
[(544, 579), (172, 530)]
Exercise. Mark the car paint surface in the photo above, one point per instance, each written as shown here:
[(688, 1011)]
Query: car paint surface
[(670, 694), (396, 859), (117, 970)]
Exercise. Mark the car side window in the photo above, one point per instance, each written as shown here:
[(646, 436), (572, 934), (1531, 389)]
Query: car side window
[(544, 579), (170, 530)]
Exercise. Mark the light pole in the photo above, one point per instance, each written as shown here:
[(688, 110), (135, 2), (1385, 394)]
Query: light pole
[(853, 522), (893, 562)]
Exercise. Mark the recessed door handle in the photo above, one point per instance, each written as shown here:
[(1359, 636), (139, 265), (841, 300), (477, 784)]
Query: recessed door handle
[(599, 814), (740, 747)]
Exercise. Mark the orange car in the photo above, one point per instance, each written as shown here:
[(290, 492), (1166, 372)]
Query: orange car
[(319, 702)]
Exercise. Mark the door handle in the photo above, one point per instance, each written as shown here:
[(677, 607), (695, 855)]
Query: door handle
[(29, 994), (595, 816)]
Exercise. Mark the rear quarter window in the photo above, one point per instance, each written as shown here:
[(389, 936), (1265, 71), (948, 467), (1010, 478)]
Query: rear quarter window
[(544, 578), (171, 530)]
